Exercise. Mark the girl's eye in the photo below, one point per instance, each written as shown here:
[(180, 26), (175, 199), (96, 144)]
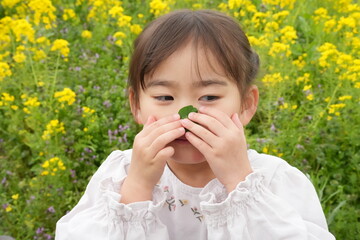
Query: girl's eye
[(209, 98), (164, 98)]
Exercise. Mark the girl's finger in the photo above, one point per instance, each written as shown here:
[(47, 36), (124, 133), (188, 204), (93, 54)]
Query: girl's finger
[(153, 123), (164, 139), (201, 132), (218, 115), (199, 144), (236, 120), (209, 122)]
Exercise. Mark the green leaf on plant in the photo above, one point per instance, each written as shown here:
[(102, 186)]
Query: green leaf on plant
[(184, 112)]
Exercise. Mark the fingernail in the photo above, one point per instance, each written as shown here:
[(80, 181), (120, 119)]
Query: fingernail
[(191, 115), (185, 121), (176, 116)]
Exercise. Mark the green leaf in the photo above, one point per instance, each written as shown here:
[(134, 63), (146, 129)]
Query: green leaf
[(184, 112)]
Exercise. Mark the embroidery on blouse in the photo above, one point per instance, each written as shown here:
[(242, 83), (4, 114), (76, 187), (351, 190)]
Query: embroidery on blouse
[(197, 214), (171, 204)]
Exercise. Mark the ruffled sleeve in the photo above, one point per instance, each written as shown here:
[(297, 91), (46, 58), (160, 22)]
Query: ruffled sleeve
[(281, 206), (100, 215)]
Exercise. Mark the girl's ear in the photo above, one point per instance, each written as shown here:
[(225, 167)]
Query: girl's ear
[(249, 107), (134, 106)]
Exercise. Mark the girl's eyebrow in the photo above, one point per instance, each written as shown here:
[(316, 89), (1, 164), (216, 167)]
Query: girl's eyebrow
[(197, 84)]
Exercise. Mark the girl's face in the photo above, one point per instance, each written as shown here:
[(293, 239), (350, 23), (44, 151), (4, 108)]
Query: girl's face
[(177, 83)]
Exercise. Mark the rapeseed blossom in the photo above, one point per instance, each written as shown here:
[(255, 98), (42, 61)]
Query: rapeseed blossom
[(272, 79), (22, 30), (66, 95), (279, 48), (159, 7), (44, 12), (86, 34), (51, 166), (9, 3), (4, 70), (32, 102), (136, 29), (53, 127), (68, 14), (87, 111), (61, 45), (288, 35)]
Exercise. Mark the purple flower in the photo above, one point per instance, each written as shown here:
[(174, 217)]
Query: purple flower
[(273, 128), (107, 103), (73, 173), (96, 87), (48, 236), (1, 140), (51, 209), (5, 205), (3, 181), (40, 230), (81, 89)]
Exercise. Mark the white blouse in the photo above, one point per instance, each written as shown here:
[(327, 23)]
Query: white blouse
[(276, 201)]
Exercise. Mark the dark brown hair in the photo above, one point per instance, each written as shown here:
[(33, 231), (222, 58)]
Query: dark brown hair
[(215, 31)]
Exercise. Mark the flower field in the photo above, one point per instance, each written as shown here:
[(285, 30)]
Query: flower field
[(63, 100)]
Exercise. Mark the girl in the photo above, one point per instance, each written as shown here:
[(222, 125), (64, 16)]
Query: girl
[(202, 183)]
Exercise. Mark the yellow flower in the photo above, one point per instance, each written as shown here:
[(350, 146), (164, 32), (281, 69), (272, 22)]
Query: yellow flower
[(22, 30), (39, 55), (272, 79), (26, 110), (288, 34), (4, 70), (43, 40), (7, 97), (265, 150), (40, 84), (53, 127), (62, 46), (9, 3), (118, 35), (140, 15), (43, 12), (66, 95), (116, 11), (68, 14), (44, 173), (32, 102), (136, 29), (307, 87), (159, 7), (15, 196), (19, 57), (86, 34), (279, 48), (310, 97), (85, 129), (346, 97), (87, 111), (124, 20), (8, 208), (329, 25)]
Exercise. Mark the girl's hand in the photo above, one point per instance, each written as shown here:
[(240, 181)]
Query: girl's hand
[(221, 140), (150, 152)]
